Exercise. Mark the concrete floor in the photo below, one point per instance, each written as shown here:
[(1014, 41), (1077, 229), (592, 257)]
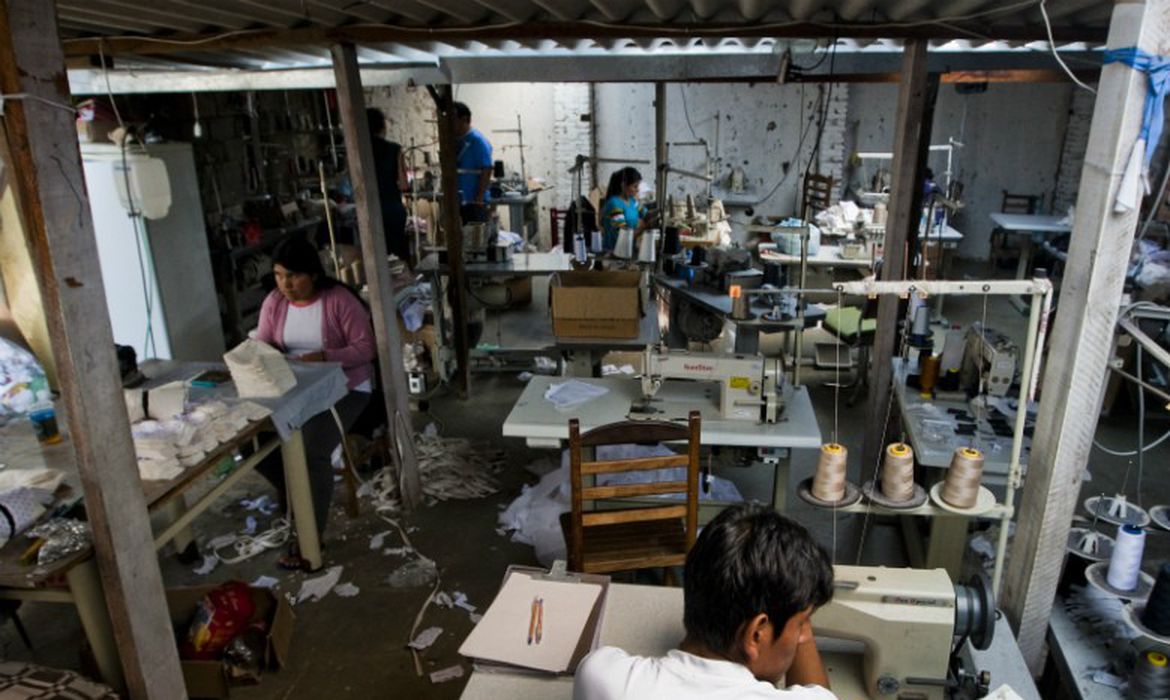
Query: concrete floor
[(355, 647)]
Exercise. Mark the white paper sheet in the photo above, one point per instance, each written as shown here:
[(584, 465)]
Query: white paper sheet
[(502, 634)]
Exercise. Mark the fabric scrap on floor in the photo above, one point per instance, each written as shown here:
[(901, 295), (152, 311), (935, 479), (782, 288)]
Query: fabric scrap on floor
[(314, 589), (210, 561), (447, 674), (265, 582), (425, 638), (346, 590)]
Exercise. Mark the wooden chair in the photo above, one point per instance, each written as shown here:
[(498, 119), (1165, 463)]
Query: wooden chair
[(817, 195), (641, 536)]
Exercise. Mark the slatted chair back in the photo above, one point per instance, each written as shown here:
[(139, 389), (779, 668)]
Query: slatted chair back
[(583, 473)]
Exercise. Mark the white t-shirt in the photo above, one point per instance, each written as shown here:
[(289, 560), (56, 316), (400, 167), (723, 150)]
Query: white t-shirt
[(303, 334), (611, 674), (302, 328)]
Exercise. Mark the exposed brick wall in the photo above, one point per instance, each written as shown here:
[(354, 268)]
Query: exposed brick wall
[(572, 137)]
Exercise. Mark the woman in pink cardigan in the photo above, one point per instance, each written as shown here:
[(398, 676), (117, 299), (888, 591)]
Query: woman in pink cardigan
[(312, 317)]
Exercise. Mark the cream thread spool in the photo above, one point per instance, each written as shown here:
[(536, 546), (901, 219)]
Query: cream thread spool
[(961, 488), (829, 481), (1126, 563), (898, 472)]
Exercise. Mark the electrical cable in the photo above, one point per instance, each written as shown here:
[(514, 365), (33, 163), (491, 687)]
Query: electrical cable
[(1052, 46), (686, 112)]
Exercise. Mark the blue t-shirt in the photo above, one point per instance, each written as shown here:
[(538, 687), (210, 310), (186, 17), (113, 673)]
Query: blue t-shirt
[(475, 153), (617, 212)]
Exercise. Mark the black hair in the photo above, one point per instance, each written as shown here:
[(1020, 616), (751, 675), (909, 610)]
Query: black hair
[(620, 179), (751, 560), (377, 120), (297, 254), (462, 110)]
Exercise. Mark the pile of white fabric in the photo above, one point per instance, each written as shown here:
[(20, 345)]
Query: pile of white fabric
[(166, 447), (449, 469)]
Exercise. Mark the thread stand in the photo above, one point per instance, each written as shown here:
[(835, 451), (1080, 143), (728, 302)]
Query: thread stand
[(1097, 576), (1099, 548), (1160, 516), (1117, 510), (1132, 612), (984, 501), (874, 493)]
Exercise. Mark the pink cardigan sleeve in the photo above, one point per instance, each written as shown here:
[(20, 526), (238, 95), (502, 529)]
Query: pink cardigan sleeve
[(266, 329), (359, 347)]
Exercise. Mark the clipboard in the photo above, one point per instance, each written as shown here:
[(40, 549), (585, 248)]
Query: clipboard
[(573, 610)]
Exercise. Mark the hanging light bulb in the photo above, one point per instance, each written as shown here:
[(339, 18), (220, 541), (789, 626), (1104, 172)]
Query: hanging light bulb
[(197, 131)]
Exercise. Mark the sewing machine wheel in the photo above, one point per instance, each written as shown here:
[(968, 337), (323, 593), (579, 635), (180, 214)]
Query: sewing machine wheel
[(975, 612)]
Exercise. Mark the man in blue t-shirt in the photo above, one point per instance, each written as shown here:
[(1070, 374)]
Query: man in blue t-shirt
[(474, 160)]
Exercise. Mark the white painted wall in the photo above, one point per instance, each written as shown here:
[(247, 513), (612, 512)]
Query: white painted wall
[(1013, 136), (760, 127)]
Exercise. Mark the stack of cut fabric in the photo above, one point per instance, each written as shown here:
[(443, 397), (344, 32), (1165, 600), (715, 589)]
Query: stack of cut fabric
[(165, 448)]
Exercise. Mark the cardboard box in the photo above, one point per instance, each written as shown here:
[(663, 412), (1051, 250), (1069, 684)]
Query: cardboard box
[(596, 304), (208, 679), (94, 131)]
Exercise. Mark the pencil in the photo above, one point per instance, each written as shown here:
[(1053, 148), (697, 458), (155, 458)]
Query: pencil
[(539, 619), (532, 621)]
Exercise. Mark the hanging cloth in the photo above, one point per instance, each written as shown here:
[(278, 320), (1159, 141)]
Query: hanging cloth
[(1135, 181)]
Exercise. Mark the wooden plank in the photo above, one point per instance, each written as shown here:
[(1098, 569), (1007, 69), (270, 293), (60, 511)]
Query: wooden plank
[(45, 162), (453, 230), (911, 139), (351, 104), (635, 515), (633, 465), (628, 490), (1083, 330)]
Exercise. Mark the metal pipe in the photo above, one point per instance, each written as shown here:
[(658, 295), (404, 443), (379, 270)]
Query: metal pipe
[(1013, 475), (1160, 354), (799, 351), (1153, 389)]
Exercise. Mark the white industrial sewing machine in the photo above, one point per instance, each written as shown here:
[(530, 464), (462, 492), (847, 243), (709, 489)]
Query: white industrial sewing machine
[(750, 386), (989, 356), (908, 621)]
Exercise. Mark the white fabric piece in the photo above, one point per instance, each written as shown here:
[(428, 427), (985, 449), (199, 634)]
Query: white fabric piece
[(167, 401), (134, 409), (159, 469), (259, 370), (425, 638), (611, 674), (570, 394), (42, 479), (302, 328), (346, 590), (314, 589)]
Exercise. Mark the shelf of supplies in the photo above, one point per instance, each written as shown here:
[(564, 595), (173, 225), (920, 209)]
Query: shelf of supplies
[(928, 509)]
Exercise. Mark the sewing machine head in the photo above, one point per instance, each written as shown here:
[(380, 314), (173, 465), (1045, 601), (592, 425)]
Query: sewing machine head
[(907, 620), (989, 356), (750, 386)]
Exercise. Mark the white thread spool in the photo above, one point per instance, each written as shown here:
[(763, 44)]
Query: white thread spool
[(1126, 563), (829, 479)]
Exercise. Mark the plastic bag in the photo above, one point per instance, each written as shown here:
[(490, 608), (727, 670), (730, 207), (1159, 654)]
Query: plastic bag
[(222, 615)]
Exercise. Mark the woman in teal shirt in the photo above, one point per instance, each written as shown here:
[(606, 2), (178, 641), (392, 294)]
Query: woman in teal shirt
[(620, 208)]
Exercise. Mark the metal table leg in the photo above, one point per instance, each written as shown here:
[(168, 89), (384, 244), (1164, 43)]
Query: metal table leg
[(86, 588), (300, 496)]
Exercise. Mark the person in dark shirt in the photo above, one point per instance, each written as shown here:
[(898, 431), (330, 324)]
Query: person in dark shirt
[(390, 167)]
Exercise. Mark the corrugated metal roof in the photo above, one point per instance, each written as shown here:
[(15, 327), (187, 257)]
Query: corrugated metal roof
[(269, 35)]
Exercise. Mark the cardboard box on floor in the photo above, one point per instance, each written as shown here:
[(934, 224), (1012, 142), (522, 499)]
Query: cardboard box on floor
[(208, 679), (596, 304)]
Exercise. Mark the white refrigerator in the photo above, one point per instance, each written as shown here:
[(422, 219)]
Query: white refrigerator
[(156, 272)]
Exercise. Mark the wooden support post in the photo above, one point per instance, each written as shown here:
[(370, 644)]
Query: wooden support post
[(45, 165), (360, 158), (453, 226), (1084, 329), (911, 141)]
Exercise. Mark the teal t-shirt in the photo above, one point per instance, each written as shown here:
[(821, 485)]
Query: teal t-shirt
[(617, 212)]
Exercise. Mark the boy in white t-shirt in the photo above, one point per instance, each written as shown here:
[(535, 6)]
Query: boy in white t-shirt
[(753, 580)]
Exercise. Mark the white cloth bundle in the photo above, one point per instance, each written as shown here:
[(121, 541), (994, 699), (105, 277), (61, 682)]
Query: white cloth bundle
[(259, 370)]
